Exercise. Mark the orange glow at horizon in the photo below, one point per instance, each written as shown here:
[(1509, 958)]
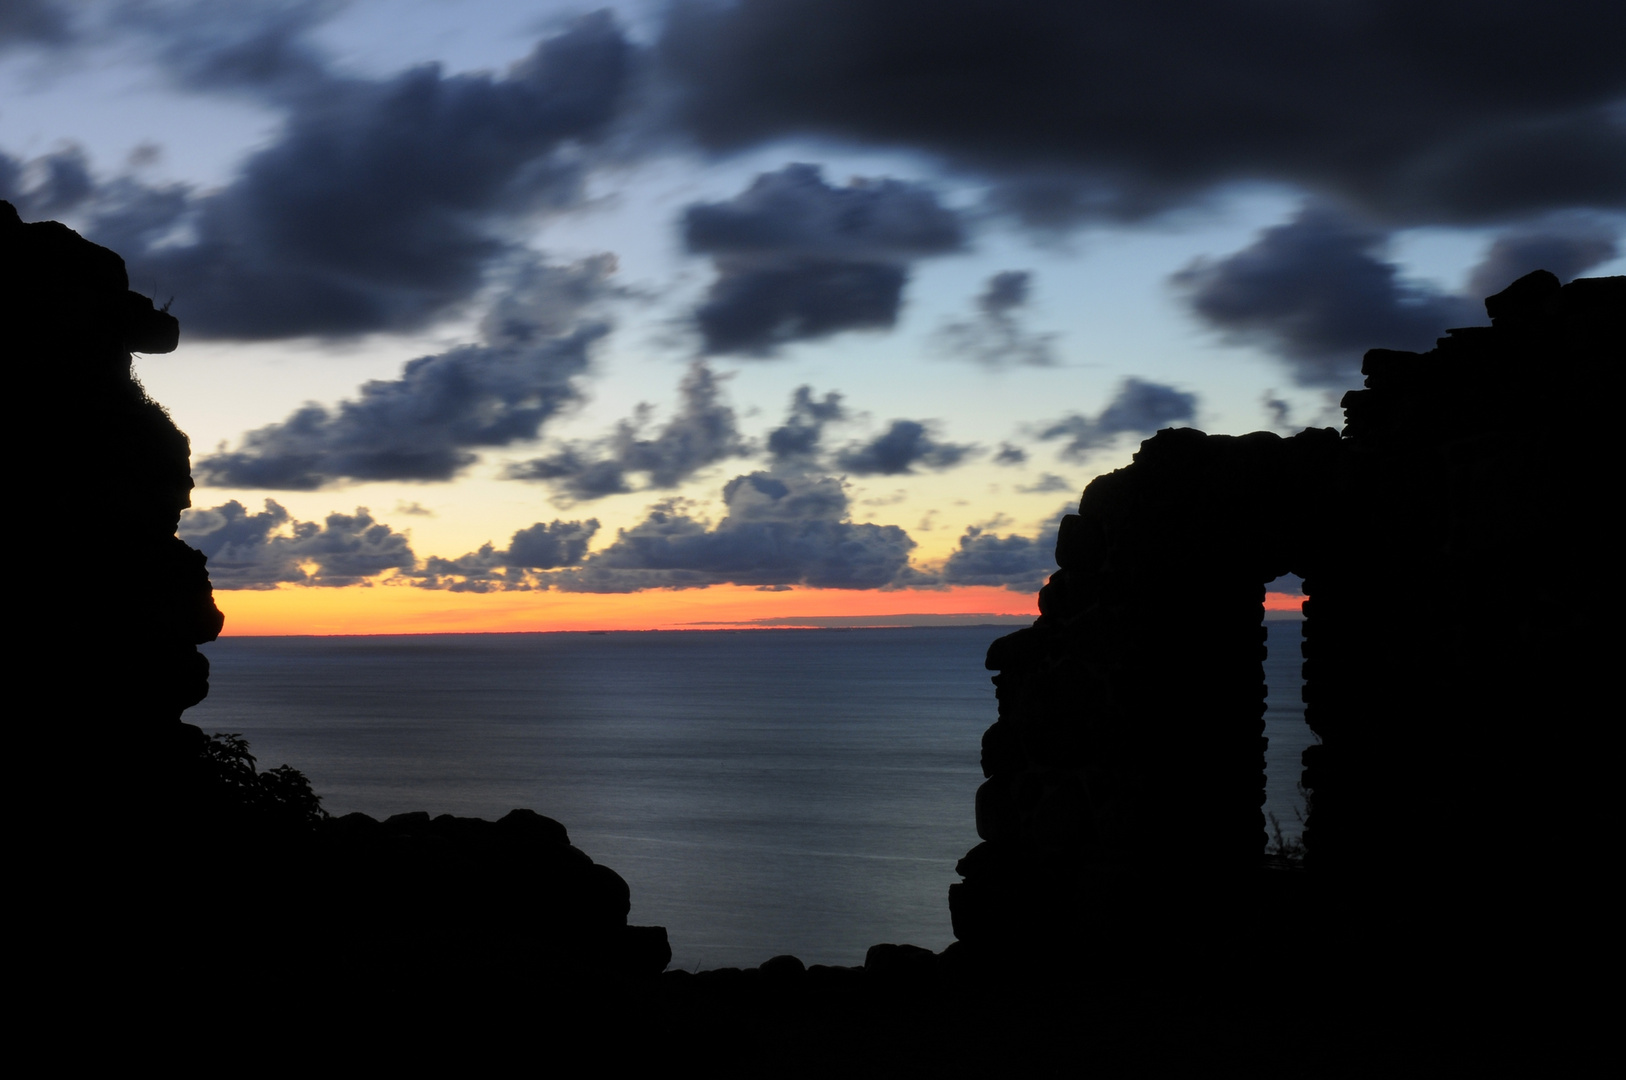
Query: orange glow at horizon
[(1278, 601), (405, 610)]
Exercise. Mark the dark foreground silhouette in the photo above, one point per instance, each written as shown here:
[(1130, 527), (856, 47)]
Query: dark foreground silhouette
[(184, 824), (1118, 918), (1447, 539)]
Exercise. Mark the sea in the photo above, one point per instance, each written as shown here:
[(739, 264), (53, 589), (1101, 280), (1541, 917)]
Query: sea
[(763, 792)]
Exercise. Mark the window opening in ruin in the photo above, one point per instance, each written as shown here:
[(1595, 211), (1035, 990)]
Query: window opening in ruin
[(1289, 735)]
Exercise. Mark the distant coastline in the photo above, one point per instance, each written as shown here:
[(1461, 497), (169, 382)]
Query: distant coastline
[(812, 622), (993, 622)]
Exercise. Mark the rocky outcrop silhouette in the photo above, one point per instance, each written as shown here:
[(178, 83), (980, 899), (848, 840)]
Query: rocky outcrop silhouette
[(147, 804), (112, 605), (111, 474)]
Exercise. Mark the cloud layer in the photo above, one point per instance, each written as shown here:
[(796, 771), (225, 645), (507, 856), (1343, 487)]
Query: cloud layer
[(702, 431), (1318, 291), (379, 204), (995, 336), (777, 532), (543, 546), (799, 259), (1139, 408), (1016, 562), (1444, 112), (33, 22), (897, 450), (271, 548), (798, 438), (1566, 247), (427, 424)]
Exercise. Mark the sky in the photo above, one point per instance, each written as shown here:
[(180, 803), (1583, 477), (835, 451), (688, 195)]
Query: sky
[(508, 316)]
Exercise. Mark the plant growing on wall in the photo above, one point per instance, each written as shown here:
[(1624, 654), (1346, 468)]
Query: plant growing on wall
[(279, 798)]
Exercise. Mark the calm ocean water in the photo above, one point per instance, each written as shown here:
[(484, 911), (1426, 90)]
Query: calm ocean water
[(762, 791)]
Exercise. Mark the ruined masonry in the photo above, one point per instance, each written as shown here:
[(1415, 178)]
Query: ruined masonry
[(1454, 540)]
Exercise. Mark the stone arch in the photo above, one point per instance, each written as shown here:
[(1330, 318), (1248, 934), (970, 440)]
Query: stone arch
[(1129, 713)]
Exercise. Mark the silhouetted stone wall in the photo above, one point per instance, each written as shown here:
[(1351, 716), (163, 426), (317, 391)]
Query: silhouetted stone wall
[(1443, 538)]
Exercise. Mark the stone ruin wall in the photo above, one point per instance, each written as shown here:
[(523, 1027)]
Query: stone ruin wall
[(1455, 539), (1130, 734)]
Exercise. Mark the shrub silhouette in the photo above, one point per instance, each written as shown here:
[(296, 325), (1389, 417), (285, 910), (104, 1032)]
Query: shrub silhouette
[(280, 799)]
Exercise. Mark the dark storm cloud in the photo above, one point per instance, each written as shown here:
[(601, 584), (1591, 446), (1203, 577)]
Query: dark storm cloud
[(380, 204), (1019, 563), (902, 446), (701, 432), (1318, 292), (797, 439), (427, 424), (34, 22), (547, 547), (540, 547), (1454, 111), (263, 550), (1005, 292), (798, 259), (47, 186), (578, 475), (132, 216), (779, 531), (257, 45), (793, 210), (1139, 408), (995, 337), (752, 311), (1567, 248), (203, 43)]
